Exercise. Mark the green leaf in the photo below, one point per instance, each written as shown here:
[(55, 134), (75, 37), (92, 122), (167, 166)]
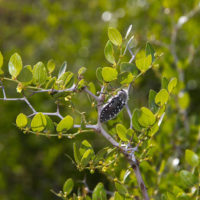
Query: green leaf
[(69, 80), (25, 75), (125, 78), (1, 60), (99, 192), (121, 188), (38, 122), (150, 51), (68, 186), (87, 157), (15, 65), (109, 74), (77, 155), (65, 124), (39, 74), (114, 36), (92, 88), (81, 84), (183, 100), (81, 71), (135, 122), (21, 120), (85, 145), (162, 97), (117, 196), (146, 118), (188, 179), (50, 83), (99, 74), (144, 63), (154, 129), (109, 52), (62, 69), (50, 125), (51, 65), (191, 158), (164, 83), (151, 101), (170, 196), (122, 133), (172, 84), (129, 67)]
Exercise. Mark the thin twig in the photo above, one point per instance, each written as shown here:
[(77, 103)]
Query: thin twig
[(129, 114)]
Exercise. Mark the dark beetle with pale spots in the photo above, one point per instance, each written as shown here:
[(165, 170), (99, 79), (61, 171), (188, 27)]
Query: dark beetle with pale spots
[(114, 105)]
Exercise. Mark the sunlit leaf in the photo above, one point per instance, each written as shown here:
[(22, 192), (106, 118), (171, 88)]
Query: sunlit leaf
[(150, 51), (15, 65), (99, 74), (109, 52), (109, 74), (161, 97), (99, 192), (38, 122), (65, 124), (172, 84), (114, 36), (39, 74), (146, 118), (68, 186), (191, 158), (143, 64), (21, 120), (51, 65), (62, 69)]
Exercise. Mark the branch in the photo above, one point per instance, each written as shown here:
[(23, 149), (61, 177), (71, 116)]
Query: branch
[(90, 93), (129, 153), (129, 114)]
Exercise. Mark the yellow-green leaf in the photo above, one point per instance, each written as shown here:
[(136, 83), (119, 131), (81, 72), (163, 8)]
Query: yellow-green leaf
[(161, 97), (1, 60), (99, 192), (109, 52), (172, 84), (38, 122), (114, 36), (121, 132), (191, 158), (144, 63), (68, 186), (21, 120), (65, 124), (15, 65), (51, 65), (39, 74), (146, 118), (109, 74)]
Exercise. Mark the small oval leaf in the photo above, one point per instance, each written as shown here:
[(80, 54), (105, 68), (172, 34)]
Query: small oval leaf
[(146, 118), (39, 74), (161, 97), (68, 186), (38, 122), (114, 36), (15, 65), (109, 74), (21, 120), (109, 52), (65, 124)]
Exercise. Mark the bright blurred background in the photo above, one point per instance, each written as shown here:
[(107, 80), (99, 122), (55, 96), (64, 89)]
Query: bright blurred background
[(76, 31)]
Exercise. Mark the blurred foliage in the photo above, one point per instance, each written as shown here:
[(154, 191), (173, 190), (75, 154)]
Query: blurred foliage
[(76, 31)]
